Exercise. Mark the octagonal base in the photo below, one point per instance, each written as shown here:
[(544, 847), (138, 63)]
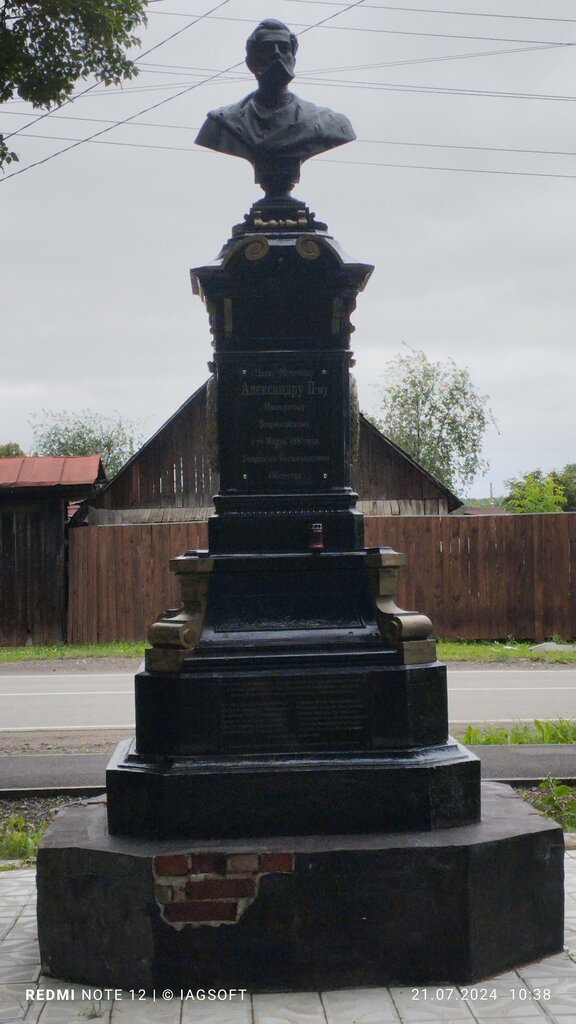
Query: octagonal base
[(301, 913)]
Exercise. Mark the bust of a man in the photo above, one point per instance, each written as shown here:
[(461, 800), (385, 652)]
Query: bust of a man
[(272, 126)]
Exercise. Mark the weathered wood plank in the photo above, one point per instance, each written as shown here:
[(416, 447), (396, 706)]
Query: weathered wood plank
[(477, 576)]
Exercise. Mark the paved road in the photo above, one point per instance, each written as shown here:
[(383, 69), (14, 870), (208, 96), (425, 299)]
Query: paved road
[(102, 701), (507, 694), (106, 700)]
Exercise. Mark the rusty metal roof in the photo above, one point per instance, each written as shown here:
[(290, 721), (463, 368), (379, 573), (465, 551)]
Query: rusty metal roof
[(50, 470)]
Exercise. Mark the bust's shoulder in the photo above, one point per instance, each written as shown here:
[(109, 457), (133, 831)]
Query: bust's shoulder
[(324, 117), (232, 111)]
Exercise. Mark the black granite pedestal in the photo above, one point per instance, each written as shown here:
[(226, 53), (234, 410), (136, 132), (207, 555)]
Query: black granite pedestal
[(300, 912), (292, 813)]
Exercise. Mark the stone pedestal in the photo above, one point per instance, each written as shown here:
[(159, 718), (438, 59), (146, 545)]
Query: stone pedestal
[(300, 912), (292, 812), (289, 694)]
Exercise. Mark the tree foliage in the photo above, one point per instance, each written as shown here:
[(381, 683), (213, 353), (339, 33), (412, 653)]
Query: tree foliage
[(86, 433), (567, 479), (535, 492), (46, 46), (434, 411), (10, 449)]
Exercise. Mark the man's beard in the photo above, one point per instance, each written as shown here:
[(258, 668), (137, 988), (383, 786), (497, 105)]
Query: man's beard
[(275, 76)]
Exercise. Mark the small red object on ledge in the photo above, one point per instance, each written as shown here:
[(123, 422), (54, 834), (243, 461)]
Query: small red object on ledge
[(316, 542)]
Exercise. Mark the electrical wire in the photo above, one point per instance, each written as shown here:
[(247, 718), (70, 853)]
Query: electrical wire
[(156, 46), (428, 10), (407, 10), (168, 69), (168, 99), (356, 163), (398, 32), (366, 142)]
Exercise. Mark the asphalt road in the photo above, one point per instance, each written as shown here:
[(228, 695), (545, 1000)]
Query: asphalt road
[(106, 700), (507, 694)]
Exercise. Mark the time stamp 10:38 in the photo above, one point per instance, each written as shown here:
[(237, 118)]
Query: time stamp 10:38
[(476, 994)]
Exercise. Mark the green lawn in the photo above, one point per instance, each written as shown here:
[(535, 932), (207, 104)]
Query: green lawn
[(117, 649), (448, 650), (563, 730), (502, 651)]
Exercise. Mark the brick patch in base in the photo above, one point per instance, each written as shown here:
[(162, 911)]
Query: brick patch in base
[(211, 888)]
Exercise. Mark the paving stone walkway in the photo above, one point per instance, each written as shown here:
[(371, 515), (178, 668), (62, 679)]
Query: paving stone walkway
[(540, 992)]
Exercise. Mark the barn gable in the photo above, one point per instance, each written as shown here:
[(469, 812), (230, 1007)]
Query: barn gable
[(170, 479)]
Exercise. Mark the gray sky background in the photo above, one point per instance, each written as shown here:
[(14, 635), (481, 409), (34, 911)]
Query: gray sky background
[(97, 310)]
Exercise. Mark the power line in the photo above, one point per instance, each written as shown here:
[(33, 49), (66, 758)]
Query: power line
[(429, 10), (398, 32), (125, 120), (367, 142), (444, 90), (380, 64), (330, 17), (156, 46), (355, 163), (167, 99), (426, 90), (169, 69), (408, 10), (460, 170), (356, 84)]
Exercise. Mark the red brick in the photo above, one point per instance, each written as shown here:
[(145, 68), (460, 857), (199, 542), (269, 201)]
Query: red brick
[(220, 888), (243, 864), (281, 862), (190, 912), (207, 863), (163, 893), (171, 864)]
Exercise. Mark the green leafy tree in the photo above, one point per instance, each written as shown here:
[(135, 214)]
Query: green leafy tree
[(535, 492), (46, 46), (11, 448), (567, 480), (86, 433), (435, 412)]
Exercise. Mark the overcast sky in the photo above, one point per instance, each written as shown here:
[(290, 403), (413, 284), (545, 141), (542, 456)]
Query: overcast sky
[(461, 189)]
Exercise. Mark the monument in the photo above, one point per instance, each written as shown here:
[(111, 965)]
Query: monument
[(292, 812)]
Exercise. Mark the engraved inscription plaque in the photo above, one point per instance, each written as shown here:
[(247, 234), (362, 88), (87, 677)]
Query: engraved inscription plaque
[(278, 423), (314, 714)]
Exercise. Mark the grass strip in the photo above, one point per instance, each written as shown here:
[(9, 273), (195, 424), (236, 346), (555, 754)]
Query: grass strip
[(501, 651), (448, 650), (66, 652), (562, 730)]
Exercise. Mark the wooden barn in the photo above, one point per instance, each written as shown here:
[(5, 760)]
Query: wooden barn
[(170, 479), (34, 495)]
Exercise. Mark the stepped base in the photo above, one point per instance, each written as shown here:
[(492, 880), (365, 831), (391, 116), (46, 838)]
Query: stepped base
[(300, 913), (218, 797)]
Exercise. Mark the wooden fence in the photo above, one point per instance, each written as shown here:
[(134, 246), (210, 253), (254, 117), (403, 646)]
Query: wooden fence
[(32, 583), (484, 577)]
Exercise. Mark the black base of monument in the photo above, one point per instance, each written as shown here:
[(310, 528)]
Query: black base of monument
[(300, 913), (234, 797), (241, 700), (246, 740)]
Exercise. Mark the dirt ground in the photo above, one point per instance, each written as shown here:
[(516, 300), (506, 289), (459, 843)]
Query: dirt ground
[(71, 666), (70, 741)]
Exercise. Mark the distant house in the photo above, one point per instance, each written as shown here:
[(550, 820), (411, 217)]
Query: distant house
[(35, 492), (170, 478)]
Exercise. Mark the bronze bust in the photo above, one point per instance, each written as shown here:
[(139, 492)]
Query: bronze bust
[(273, 128)]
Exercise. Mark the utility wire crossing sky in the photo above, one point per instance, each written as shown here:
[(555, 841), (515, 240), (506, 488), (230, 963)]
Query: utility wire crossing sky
[(460, 189)]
